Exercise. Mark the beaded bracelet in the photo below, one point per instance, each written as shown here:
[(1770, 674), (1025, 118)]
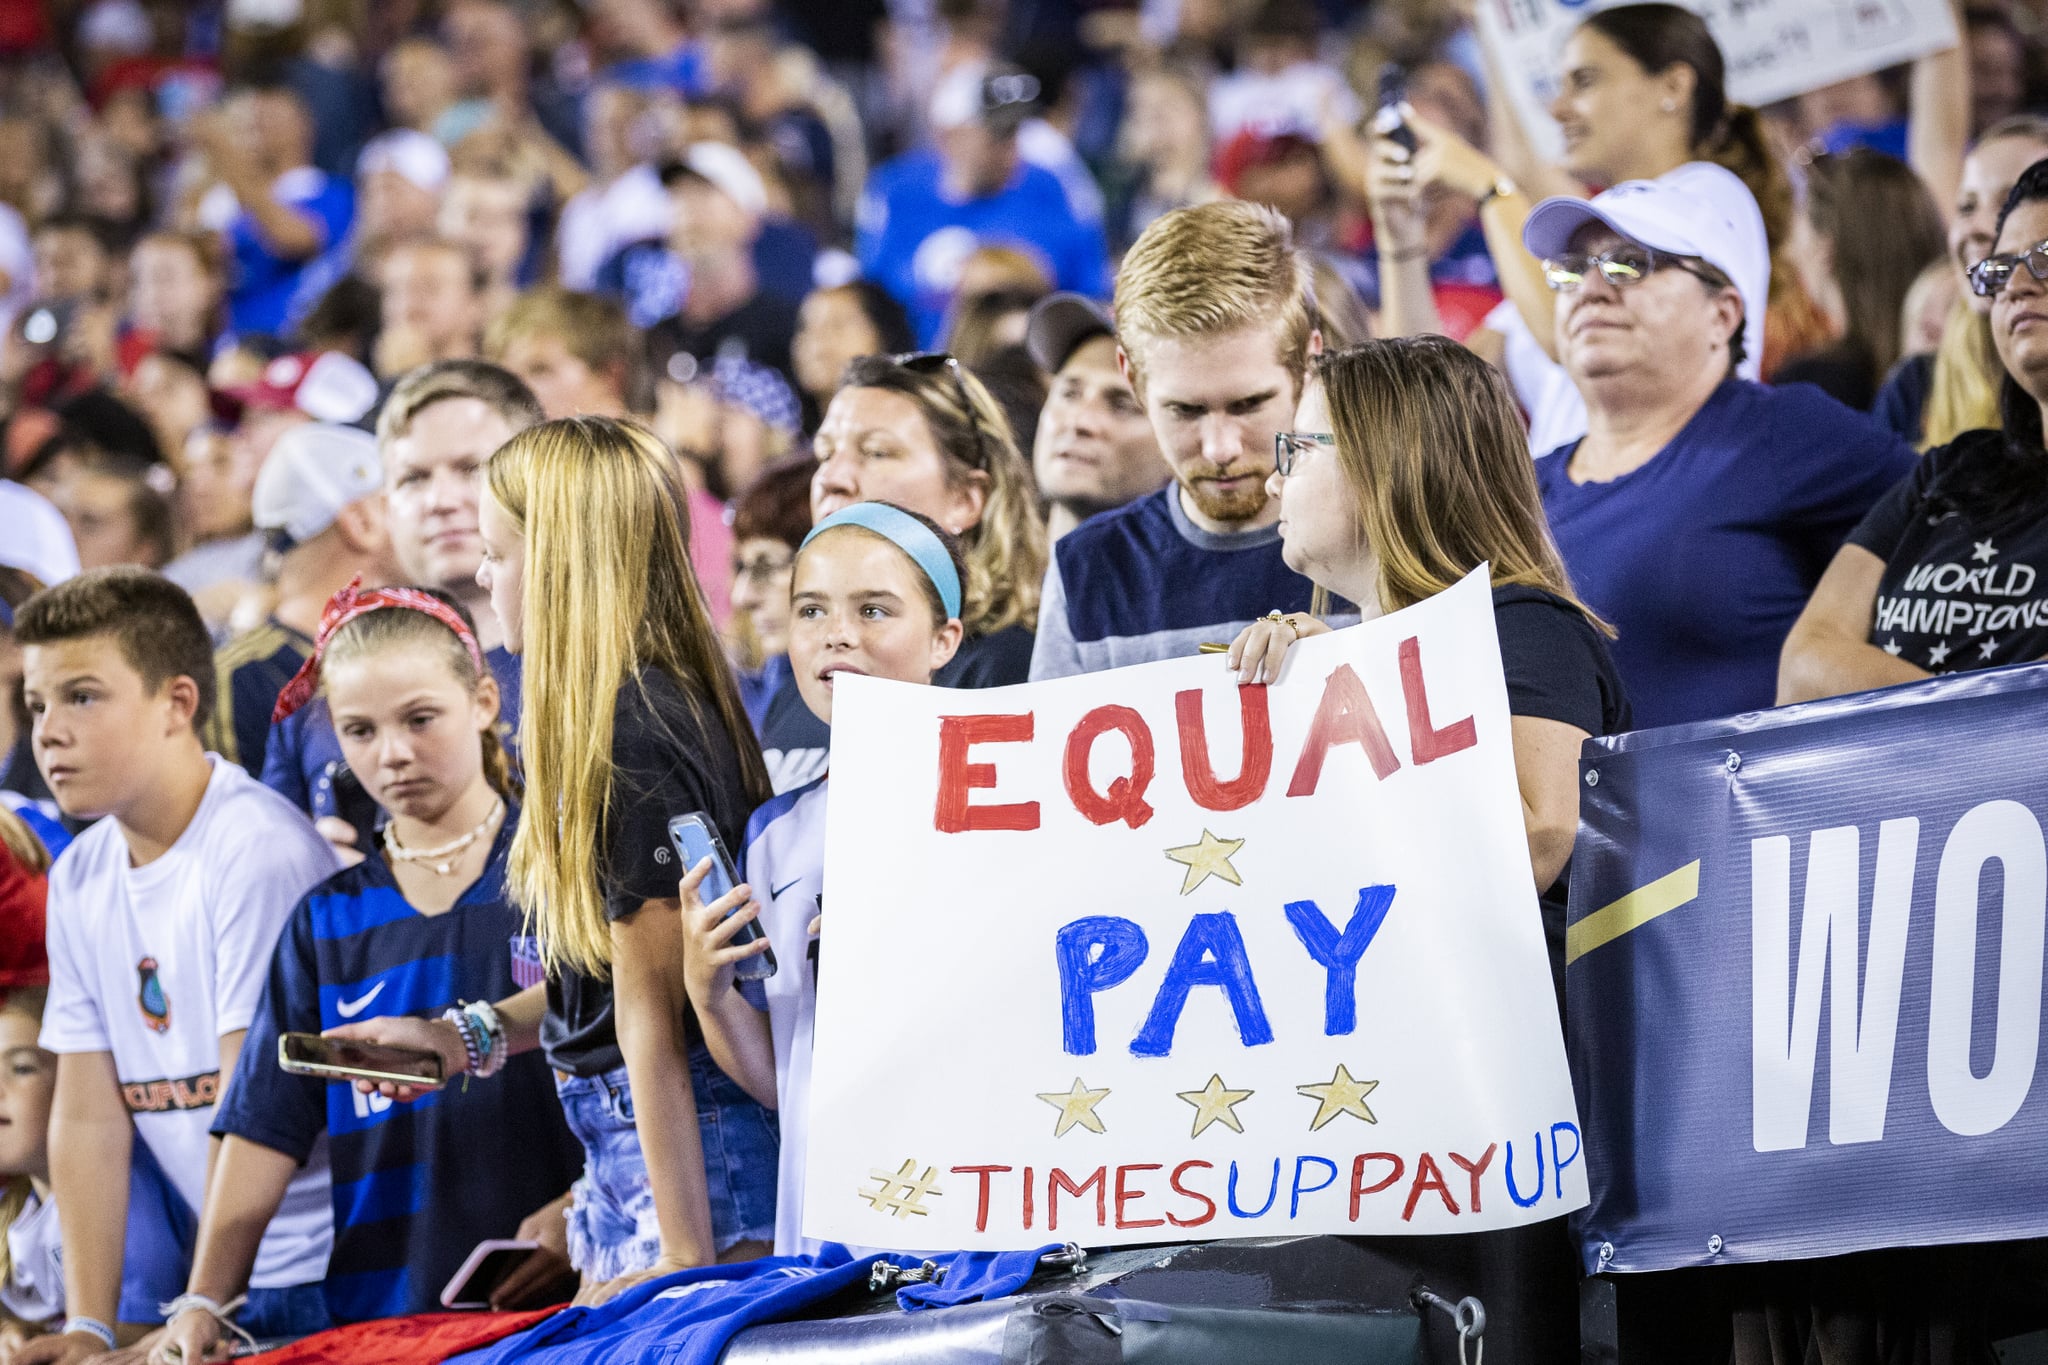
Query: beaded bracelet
[(466, 1029), (491, 1037)]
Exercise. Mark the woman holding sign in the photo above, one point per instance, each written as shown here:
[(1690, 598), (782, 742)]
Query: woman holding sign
[(876, 593), (1407, 469)]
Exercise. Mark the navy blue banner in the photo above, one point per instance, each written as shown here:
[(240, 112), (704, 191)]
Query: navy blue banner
[(1804, 981)]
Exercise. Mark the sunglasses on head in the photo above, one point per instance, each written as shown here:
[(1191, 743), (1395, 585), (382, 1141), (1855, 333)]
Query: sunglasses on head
[(1989, 277), (931, 362)]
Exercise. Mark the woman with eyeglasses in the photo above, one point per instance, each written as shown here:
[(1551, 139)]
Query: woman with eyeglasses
[(1950, 569), (1700, 508), (920, 431), (1408, 469)]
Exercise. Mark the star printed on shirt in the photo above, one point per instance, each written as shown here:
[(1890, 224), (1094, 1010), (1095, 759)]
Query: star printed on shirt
[(1937, 656), (1984, 553), (1989, 647), (1891, 647)]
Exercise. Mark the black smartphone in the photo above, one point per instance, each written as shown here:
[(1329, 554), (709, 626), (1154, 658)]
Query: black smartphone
[(695, 840), (1388, 122), (340, 794), (350, 1059)]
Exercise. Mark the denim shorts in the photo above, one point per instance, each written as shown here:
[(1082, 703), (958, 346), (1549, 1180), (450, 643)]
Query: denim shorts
[(612, 1227)]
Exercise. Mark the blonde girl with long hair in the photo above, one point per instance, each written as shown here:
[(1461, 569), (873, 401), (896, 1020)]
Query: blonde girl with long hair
[(920, 431), (629, 716)]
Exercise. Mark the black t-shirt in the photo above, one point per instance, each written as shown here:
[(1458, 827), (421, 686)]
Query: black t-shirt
[(1961, 589), (1558, 668), (797, 744), (669, 757), (758, 330)]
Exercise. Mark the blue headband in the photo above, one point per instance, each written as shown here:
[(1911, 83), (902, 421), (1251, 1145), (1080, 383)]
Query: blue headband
[(907, 534)]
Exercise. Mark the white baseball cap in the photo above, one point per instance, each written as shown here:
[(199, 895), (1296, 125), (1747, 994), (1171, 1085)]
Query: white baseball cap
[(1700, 210), (729, 171), (314, 471), (411, 153)]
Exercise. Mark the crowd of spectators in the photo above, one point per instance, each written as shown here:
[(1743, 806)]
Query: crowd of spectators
[(419, 413)]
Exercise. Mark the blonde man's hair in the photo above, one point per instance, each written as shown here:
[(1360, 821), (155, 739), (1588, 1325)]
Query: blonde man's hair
[(417, 390), (591, 327), (604, 512), (1215, 268)]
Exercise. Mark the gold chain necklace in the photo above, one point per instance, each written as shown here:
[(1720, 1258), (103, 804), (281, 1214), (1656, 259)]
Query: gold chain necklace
[(439, 860)]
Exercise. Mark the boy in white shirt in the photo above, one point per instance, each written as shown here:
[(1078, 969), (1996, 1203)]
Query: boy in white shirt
[(162, 921)]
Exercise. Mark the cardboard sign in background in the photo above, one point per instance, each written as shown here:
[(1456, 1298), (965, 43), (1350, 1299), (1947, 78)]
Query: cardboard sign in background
[(1294, 983), (1774, 48)]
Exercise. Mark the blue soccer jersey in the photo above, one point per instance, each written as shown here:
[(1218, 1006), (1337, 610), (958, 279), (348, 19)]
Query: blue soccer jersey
[(416, 1186)]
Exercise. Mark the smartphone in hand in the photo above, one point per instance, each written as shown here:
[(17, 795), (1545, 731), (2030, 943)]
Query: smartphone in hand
[(695, 840), (350, 1059), (1389, 122)]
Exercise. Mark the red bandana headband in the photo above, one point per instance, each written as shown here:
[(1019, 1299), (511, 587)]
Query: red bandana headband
[(344, 607)]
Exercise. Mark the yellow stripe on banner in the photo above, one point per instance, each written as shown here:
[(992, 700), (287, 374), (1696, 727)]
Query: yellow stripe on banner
[(1632, 911)]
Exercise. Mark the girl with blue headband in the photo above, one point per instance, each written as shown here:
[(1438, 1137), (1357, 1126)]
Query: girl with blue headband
[(876, 591)]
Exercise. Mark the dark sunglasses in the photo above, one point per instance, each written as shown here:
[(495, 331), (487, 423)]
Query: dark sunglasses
[(931, 362), (1622, 265), (1989, 277), (1288, 446)]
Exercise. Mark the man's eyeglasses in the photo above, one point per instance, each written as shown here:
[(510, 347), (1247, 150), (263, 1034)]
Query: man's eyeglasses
[(1989, 277), (1288, 445), (931, 362), (1621, 266)]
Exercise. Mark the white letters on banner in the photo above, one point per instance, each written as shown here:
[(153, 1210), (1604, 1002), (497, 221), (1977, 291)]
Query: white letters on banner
[(1142, 956), (1774, 48)]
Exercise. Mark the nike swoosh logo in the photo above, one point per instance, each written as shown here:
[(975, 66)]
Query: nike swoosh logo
[(349, 1009), (776, 894)]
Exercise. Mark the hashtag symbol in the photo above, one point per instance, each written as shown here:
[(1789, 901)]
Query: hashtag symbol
[(886, 1198)]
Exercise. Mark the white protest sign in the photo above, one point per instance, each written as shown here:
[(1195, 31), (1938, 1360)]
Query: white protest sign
[(1142, 956), (1774, 48)]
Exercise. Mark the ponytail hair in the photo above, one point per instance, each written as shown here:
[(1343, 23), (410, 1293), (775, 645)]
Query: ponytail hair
[(375, 631), (1657, 37)]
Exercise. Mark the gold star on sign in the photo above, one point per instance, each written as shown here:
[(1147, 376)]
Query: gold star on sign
[(1076, 1106), (1213, 1105), (1340, 1095), (1209, 858)]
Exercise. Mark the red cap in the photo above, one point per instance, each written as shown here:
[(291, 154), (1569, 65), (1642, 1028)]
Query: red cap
[(23, 959), (1250, 149), (325, 385)]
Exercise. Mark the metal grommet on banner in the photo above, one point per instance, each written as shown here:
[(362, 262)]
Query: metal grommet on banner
[(1606, 1252), (1070, 1257), (1592, 777), (1734, 762), (1714, 1244), (883, 1275)]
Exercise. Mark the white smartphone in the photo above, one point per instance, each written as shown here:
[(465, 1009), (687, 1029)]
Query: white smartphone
[(489, 1266)]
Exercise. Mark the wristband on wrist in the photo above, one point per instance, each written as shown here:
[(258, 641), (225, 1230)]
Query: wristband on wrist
[(466, 1029), (222, 1313), (1501, 186), (92, 1327), (491, 1037), (1419, 253)]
